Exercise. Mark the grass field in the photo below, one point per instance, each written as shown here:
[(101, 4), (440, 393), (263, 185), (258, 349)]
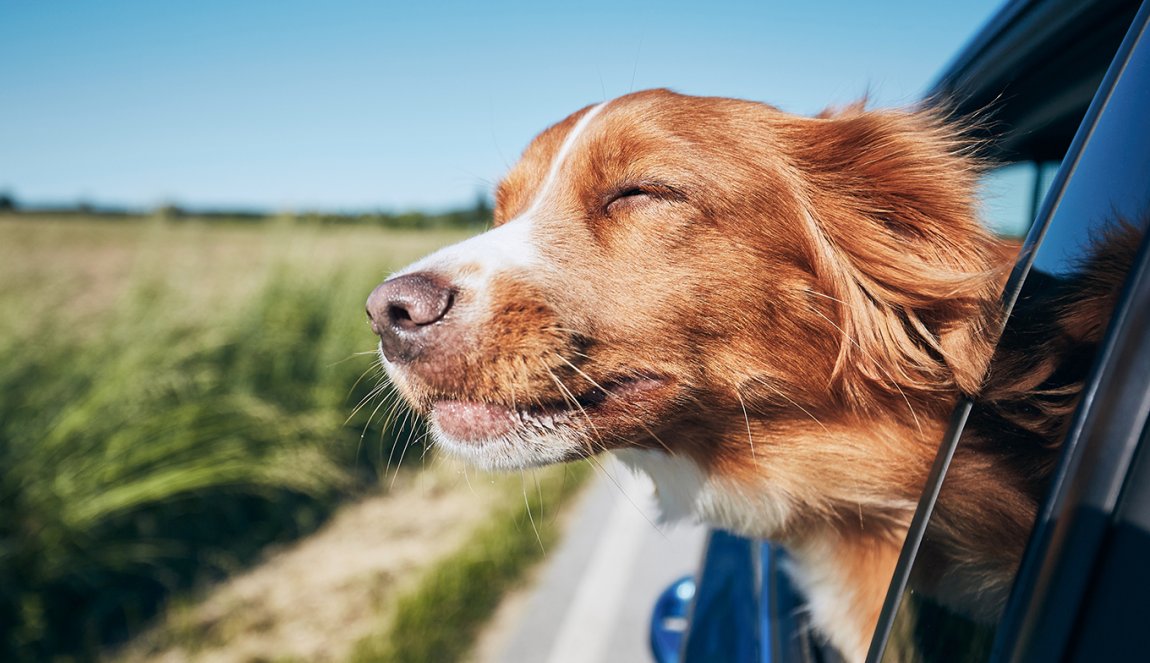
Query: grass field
[(173, 397)]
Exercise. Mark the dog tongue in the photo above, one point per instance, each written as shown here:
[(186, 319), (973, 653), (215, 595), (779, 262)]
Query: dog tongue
[(468, 421)]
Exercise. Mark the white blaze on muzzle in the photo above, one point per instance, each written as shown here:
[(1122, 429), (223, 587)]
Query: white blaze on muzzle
[(472, 263)]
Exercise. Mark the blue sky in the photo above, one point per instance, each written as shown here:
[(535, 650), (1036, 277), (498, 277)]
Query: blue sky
[(346, 105)]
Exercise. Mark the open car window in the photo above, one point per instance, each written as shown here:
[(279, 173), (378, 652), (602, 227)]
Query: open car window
[(948, 596)]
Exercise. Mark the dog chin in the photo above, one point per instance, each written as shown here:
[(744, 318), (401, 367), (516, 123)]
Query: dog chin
[(513, 450)]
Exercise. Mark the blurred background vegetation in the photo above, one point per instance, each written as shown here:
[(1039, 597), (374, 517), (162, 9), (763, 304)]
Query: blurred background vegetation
[(177, 392), (474, 218)]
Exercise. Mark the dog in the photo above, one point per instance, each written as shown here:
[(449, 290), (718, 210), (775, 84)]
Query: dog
[(773, 316)]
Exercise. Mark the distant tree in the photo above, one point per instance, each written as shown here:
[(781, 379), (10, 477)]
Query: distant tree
[(8, 202), (481, 213), (169, 211)]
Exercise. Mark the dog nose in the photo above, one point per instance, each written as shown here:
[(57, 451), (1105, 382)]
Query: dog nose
[(403, 310)]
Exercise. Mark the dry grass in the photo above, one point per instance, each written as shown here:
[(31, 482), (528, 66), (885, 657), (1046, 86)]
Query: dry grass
[(315, 599)]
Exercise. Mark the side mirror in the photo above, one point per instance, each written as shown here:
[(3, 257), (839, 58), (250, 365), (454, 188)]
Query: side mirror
[(669, 620)]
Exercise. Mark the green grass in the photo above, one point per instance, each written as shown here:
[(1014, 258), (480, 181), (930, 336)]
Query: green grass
[(173, 398), (439, 619)]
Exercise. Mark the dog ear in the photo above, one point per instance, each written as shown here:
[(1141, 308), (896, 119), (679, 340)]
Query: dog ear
[(895, 239)]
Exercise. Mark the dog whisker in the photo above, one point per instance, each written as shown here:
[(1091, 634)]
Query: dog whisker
[(374, 368), (766, 383), (399, 465), (582, 374), (384, 402), (375, 391), (609, 395), (570, 398), (531, 518), (406, 417), (539, 494), (823, 294), (747, 420), (619, 487)]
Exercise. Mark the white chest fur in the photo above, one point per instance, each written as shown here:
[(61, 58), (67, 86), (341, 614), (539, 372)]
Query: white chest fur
[(686, 492)]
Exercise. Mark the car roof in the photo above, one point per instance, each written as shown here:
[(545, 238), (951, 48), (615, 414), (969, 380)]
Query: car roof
[(1033, 69)]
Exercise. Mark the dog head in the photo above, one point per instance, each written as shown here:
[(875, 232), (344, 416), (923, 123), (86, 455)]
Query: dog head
[(670, 272)]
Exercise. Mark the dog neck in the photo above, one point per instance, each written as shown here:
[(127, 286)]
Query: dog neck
[(844, 529)]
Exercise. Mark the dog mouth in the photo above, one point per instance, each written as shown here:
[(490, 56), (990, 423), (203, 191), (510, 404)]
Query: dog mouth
[(474, 422)]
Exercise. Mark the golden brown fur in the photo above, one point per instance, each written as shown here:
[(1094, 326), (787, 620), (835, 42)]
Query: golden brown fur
[(789, 305)]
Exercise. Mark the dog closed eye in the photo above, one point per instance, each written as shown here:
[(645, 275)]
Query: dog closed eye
[(632, 196)]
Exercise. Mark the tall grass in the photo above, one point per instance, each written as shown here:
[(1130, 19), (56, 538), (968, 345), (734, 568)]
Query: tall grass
[(164, 437)]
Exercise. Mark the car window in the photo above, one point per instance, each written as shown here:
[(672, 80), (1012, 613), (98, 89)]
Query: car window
[(1012, 439)]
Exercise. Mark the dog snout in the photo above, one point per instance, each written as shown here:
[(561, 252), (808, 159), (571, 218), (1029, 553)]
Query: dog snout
[(406, 311)]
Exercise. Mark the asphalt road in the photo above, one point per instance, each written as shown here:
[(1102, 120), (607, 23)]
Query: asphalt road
[(593, 601)]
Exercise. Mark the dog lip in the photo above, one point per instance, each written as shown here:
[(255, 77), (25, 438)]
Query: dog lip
[(475, 422)]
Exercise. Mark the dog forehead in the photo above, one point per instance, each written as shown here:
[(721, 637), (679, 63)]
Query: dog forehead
[(610, 122), (523, 182)]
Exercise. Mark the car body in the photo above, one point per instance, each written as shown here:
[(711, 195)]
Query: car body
[(1067, 87)]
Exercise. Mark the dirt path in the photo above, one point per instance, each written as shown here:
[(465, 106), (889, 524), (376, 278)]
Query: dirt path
[(315, 599)]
